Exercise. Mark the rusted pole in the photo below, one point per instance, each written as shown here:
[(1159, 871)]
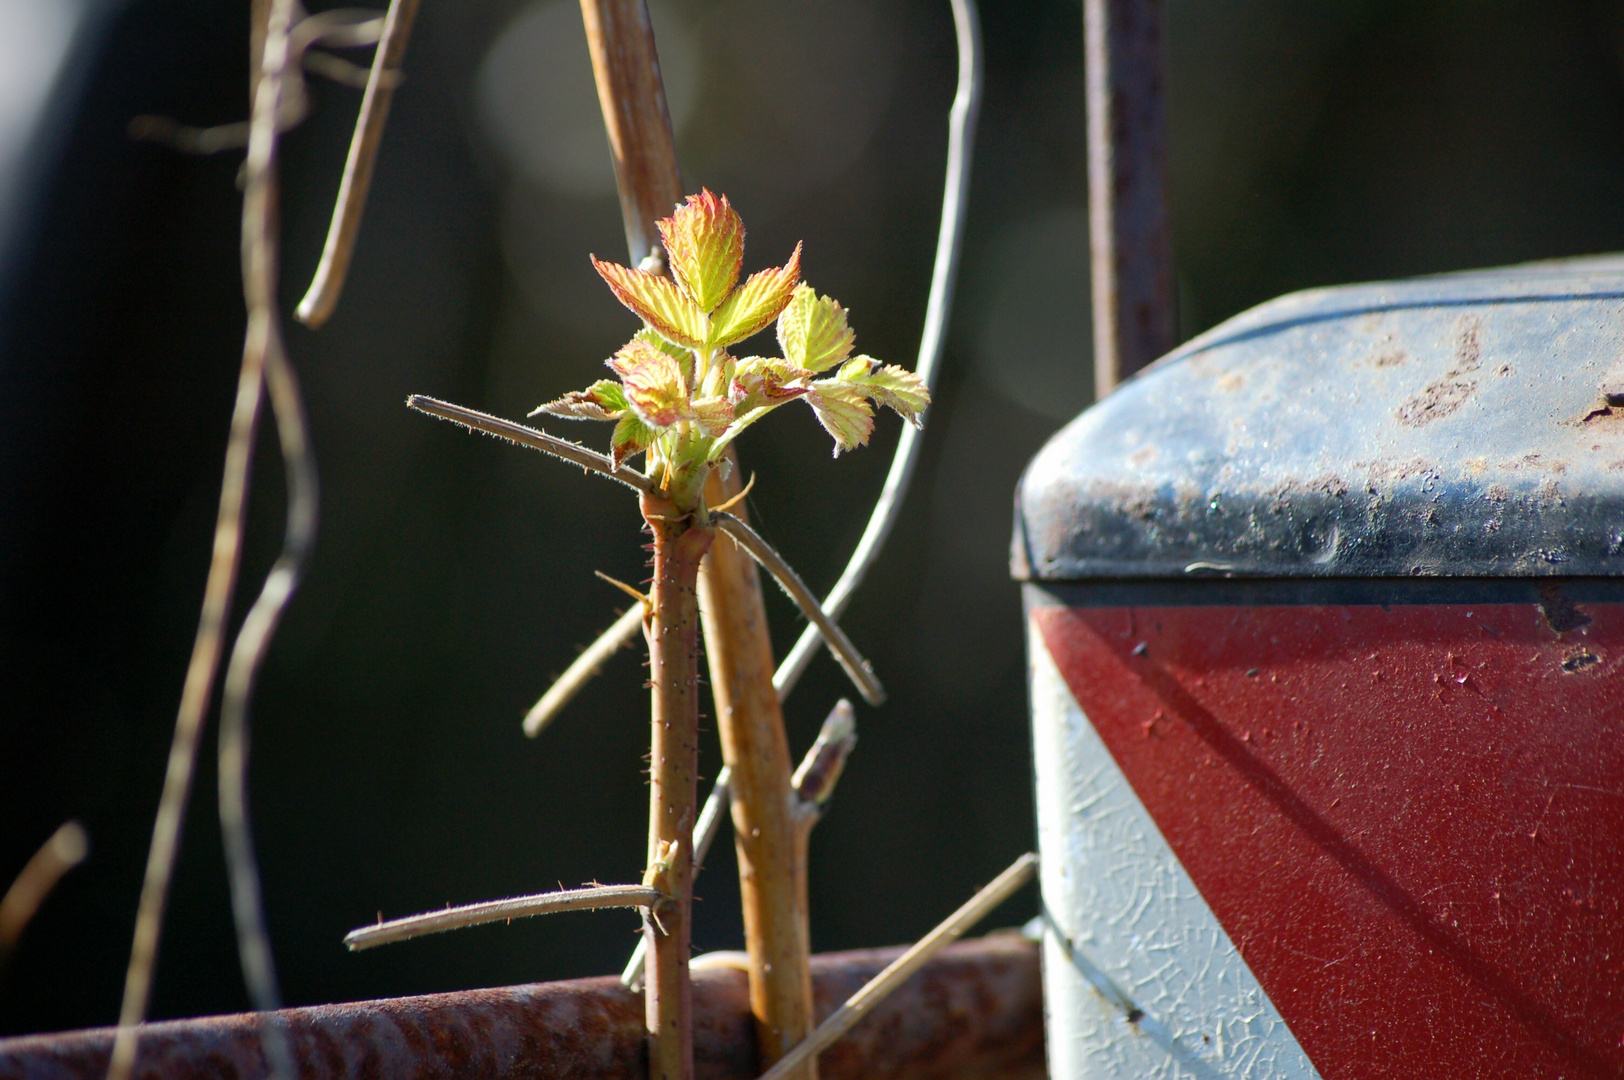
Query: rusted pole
[(1131, 253), (771, 849), (973, 1013)]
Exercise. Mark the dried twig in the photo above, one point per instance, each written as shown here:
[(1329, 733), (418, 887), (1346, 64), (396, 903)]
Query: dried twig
[(585, 667), (66, 849), (903, 967), (322, 298), (489, 911), (858, 669), (949, 241)]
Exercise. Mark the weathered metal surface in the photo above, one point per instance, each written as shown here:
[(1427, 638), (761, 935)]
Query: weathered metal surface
[(1447, 426), (1395, 827), (1131, 264), (974, 1012)]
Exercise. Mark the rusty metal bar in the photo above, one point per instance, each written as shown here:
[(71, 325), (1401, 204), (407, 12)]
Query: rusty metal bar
[(1131, 252), (973, 1013)]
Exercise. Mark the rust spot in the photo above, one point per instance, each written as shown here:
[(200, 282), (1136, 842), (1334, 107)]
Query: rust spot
[(1231, 382), (1452, 389), (1561, 614), (1389, 358), (1579, 661)]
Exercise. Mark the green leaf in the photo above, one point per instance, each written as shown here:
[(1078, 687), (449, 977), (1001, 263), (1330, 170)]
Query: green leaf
[(812, 330), (895, 387), (657, 301), (683, 356), (704, 243), (631, 437), (714, 414), (603, 400), (753, 306), (844, 412)]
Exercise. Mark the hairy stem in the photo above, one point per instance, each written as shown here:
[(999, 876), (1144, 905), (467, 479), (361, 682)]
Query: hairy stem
[(673, 638)]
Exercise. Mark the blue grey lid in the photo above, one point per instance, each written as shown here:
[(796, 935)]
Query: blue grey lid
[(1463, 425)]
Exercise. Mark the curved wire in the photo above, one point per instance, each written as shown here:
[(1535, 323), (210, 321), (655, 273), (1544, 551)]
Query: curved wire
[(949, 242)]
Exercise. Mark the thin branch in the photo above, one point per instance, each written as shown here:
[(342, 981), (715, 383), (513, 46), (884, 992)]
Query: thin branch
[(585, 667), (66, 849), (862, 676), (938, 309), (319, 302), (518, 907), (530, 437), (711, 817), (903, 967)]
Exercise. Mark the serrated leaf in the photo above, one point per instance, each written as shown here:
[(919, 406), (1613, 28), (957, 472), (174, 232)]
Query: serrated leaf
[(684, 357), (844, 412), (812, 330), (704, 244), (654, 386), (714, 414), (766, 382), (603, 400), (753, 306), (894, 387), (631, 436), (657, 301)]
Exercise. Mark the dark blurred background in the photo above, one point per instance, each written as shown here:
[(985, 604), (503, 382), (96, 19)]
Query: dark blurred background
[(1310, 144)]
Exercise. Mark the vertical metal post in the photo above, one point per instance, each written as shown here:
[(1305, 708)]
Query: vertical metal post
[(1131, 254)]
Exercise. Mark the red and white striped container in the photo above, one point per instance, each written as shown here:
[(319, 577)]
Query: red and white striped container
[(1326, 626)]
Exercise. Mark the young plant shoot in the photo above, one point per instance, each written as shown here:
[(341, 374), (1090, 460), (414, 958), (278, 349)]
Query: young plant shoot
[(681, 397)]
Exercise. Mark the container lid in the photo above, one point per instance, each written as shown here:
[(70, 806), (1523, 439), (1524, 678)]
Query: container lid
[(1462, 425)]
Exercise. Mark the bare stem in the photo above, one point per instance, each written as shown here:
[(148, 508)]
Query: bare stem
[(903, 967), (65, 849), (582, 671), (680, 543), (861, 674), (489, 911), (322, 298)]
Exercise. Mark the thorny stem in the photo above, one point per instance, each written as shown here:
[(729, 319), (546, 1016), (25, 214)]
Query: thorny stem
[(680, 542), (591, 898)]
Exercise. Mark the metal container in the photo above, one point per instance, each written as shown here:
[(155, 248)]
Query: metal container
[(1326, 630)]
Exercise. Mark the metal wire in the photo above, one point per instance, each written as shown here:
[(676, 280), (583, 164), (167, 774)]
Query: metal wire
[(949, 242)]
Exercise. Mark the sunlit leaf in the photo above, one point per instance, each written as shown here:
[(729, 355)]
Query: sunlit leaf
[(704, 243), (754, 305), (603, 400), (654, 385), (714, 414), (813, 331), (657, 301), (844, 412), (764, 382), (889, 385)]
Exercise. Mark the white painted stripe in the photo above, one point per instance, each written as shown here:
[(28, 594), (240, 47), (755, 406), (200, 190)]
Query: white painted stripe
[(1128, 937)]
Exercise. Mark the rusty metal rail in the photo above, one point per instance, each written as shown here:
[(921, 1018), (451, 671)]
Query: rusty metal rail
[(974, 1012)]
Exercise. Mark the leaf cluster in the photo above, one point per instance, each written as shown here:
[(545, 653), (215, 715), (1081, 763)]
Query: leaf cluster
[(682, 396)]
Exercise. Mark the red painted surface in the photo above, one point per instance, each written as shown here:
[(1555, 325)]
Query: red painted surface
[(1410, 821)]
